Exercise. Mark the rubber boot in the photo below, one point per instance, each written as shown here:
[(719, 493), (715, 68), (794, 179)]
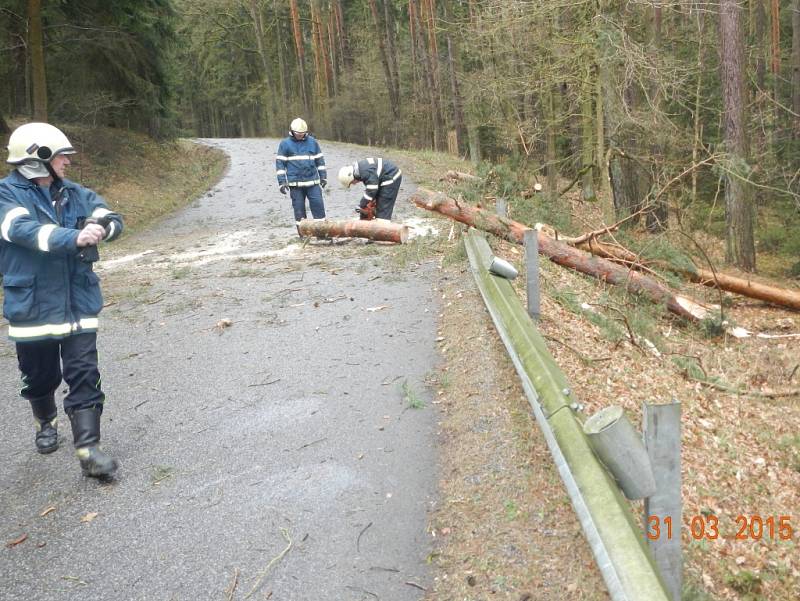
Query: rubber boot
[(44, 413), (86, 434)]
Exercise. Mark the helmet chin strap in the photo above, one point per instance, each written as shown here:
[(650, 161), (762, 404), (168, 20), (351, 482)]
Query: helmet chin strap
[(59, 184)]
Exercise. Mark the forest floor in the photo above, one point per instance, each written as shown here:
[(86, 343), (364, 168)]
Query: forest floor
[(741, 433), (504, 526)]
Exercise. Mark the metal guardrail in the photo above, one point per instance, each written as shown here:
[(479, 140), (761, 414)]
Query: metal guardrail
[(615, 539)]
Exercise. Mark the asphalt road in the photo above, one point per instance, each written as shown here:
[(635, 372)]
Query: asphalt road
[(259, 399)]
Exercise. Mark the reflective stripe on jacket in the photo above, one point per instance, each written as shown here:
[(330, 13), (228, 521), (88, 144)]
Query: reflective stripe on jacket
[(300, 162), (48, 292), (374, 173)]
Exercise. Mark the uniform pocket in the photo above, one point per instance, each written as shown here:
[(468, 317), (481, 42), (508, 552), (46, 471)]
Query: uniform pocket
[(19, 298), (87, 300)]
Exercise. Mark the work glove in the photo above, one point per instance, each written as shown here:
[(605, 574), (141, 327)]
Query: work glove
[(284, 189), (323, 183)]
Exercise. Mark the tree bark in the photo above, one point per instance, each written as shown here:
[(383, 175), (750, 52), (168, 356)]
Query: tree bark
[(299, 48), (796, 67), (258, 27), (36, 45), (740, 247), (759, 26), (562, 254), (659, 213), (427, 66), (394, 102), (551, 154), (712, 279), (388, 19), (284, 88), (587, 161), (374, 229), (452, 62)]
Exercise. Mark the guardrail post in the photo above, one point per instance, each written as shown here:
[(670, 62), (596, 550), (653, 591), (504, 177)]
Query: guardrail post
[(531, 241), (620, 448), (661, 425)]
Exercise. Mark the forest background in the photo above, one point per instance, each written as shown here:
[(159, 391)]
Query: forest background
[(686, 113)]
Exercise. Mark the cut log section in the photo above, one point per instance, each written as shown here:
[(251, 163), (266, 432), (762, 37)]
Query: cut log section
[(562, 254), (381, 230)]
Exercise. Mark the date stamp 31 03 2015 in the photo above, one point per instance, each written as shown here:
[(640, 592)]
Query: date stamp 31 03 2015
[(743, 527)]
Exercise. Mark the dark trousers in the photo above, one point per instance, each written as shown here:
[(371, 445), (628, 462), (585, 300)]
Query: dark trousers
[(41, 365), (315, 202), (384, 201)]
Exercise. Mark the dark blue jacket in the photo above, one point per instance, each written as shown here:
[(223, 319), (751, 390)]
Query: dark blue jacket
[(300, 162), (375, 173), (49, 292)]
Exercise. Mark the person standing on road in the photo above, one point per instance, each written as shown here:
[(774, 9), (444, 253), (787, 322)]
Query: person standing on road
[(381, 179), (50, 229), (300, 168)]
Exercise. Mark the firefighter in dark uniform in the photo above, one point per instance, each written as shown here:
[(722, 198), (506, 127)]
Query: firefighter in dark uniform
[(381, 179), (300, 169), (50, 228)]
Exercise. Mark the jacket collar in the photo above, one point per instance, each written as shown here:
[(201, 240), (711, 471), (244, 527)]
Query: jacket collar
[(17, 179)]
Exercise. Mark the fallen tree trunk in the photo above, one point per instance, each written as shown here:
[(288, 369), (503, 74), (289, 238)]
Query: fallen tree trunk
[(375, 229), (562, 254), (459, 176), (713, 279)]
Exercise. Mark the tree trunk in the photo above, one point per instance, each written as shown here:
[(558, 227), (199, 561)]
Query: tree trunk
[(320, 59), (394, 102), (427, 71), (796, 67), (562, 254), (474, 138), (333, 50), (657, 214), (740, 248), (458, 113), (698, 126), (299, 48), (760, 47), (713, 279), (388, 18), (374, 229), (36, 45), (775, 13), (269, 91), (551, 155), (587, 161), (4, 128), (341, 35), (284, 87), (602, 83)]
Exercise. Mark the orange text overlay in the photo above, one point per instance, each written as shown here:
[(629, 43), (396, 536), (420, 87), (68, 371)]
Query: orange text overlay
[(746, 527)]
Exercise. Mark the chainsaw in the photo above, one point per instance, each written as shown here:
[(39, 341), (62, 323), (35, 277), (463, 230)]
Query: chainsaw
[(367, 212)]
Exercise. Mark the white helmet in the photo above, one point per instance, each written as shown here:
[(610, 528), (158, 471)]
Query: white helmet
[(347, 176), (33, 145), (299, 126)]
